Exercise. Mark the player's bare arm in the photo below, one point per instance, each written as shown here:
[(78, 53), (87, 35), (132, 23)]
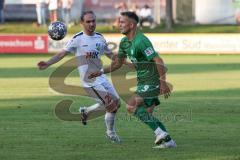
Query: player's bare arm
[(126, 62), (116, 64), (111, 56), (164, 89), (56, 58)]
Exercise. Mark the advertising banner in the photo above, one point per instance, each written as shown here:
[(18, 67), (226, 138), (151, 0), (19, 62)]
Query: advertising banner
[(218, 43), (223, 43), (163, 43), (23, 44)]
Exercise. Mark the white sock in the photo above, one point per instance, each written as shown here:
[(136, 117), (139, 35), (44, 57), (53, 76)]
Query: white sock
[(95, 108), (159, 131), (109, 121)]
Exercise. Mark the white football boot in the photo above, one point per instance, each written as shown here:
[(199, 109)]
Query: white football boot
[(169, 144), (113, 137), (160, 138)]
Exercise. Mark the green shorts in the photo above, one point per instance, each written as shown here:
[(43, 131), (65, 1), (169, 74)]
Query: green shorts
[(149, 102), (149, 93)]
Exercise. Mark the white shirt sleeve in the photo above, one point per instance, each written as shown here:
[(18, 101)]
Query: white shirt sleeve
[(106, 49), (71, 46)]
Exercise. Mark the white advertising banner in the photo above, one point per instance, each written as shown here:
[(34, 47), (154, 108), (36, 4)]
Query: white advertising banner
[(176, 43), (196, 43)]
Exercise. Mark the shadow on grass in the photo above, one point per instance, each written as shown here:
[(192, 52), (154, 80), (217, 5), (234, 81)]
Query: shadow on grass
[(199, 102), (51, 101), (172, 69)]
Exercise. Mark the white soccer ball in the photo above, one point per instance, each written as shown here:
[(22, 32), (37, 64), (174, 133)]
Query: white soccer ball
[(57, 30)]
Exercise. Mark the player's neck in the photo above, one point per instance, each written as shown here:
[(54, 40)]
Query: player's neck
[(131, 34), (88, 33)]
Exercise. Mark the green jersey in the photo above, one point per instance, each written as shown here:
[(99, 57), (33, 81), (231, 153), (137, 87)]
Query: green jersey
[(140, 51)]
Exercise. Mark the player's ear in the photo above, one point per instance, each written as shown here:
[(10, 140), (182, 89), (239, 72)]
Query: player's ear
[(132, 25), (81, 20)]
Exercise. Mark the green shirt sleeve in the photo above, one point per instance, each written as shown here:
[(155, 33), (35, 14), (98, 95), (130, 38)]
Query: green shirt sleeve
[(147, 49), (121, 51)]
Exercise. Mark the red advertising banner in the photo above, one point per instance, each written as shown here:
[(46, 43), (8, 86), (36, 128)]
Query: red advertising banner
[(23, 44)]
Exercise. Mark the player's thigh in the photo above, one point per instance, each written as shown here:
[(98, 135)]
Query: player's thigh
[(112, 99), (105, 96), (111, 90), (91, 93)]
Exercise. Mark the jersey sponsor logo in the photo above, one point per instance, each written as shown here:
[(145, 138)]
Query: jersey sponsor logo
[(149, 51), (85, 45), (98, 46), (91, 55)]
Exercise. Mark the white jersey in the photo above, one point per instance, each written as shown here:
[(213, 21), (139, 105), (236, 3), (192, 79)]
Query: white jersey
[(88, 50)]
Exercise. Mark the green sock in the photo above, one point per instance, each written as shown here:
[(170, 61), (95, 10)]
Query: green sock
[(148, 118)]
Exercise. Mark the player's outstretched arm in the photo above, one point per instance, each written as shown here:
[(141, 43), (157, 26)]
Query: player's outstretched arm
[(56, 58), (111, 56), (116, 64)]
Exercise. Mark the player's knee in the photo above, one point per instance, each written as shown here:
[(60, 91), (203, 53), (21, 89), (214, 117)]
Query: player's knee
[(131, 109), (150, 109), (131, 105), (117, 104), (113, 106)]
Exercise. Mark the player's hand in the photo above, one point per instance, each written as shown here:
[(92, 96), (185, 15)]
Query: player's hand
[(164, 89), (42, 65), (95, 74)]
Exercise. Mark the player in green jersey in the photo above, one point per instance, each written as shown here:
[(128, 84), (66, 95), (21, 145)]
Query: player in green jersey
[(150, 76)]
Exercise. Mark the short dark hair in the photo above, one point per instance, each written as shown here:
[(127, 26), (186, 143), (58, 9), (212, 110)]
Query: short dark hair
[(131, 15), (84, 13)]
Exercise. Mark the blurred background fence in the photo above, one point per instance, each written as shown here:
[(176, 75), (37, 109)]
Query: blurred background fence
[(184, 11)]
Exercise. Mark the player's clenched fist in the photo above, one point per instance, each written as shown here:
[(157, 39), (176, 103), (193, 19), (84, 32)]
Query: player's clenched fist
[(42, 65), (95, 74)]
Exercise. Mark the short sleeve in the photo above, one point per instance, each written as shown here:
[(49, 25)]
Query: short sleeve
[(71, 46), (121, 50), (147, 49), (106, 48)]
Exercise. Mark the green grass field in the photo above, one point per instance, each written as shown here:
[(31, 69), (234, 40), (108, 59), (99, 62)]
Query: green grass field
[(202, 115)]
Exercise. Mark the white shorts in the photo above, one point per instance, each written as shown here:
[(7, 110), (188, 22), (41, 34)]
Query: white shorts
[(104, 93)]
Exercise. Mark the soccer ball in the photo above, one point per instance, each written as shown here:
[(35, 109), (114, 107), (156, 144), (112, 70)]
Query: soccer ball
[(57, 30)]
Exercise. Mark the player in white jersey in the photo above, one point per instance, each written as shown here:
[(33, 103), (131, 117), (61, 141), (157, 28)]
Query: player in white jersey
[(88, 46)]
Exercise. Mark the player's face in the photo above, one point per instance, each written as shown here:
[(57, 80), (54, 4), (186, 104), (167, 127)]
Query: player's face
[(125, 25), (89, 23)]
